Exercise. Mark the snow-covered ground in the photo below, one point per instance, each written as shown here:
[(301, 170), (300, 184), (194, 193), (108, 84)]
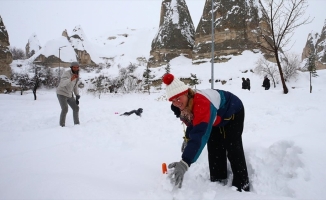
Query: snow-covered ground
[(114, 157), (110, 156)]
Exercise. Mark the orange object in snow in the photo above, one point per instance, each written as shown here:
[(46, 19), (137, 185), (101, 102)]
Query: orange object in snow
[(164, 170)]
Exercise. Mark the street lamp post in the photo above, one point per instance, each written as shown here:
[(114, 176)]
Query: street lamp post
[(212, 67), (60, 62)]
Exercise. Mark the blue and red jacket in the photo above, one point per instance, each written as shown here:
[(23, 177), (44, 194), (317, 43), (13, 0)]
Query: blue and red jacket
[(210, 108)]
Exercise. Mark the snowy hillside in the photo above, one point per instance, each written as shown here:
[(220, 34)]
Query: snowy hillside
[(116, 157)]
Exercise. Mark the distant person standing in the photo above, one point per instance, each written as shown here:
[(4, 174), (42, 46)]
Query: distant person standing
[(248, 83), (65, 90), (244, 84), (266, 83)]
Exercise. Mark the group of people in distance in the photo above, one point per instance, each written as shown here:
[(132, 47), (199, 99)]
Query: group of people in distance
[(246, 83)]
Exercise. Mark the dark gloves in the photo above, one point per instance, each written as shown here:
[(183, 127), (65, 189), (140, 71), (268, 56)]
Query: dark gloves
[(77, 99), (175, 110), (184, 144), (180, 169)]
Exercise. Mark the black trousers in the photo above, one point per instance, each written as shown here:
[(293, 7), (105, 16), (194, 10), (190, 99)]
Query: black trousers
[(226, 143)]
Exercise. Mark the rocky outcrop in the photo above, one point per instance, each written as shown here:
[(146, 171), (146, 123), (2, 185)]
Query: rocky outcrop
[(79, 43), (65, 33), (5, 84), (316, 43), (5, 57), (32, 46), (175, 36), (236, 28)]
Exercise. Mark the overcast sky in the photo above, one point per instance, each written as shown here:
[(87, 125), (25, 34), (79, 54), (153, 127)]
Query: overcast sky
[(48, 18)]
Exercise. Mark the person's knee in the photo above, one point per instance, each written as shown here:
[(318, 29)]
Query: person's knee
[(64, 110)]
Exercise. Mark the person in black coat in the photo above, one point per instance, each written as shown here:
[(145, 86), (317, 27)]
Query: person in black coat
[(248, 82), (244, 84), (266, 83)]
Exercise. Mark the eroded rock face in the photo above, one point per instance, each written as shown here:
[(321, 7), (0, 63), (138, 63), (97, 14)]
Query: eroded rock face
[(316, 43), (5, 84), (77, 41), (175, 36), (5, 57), (237, 26), (32, 46)]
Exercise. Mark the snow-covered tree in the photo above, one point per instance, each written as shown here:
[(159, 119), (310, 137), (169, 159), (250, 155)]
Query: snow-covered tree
[(193, 80), (311, 66)]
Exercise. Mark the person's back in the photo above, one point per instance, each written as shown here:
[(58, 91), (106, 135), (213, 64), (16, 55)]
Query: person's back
[(244, 84), (248, 83), (266, 83)]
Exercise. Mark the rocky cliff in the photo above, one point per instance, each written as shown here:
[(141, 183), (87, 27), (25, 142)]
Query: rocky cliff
[(175, 36), (316, 43), (236, 28), (5, 58)]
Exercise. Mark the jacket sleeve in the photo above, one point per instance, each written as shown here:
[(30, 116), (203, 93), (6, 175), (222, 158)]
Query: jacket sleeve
[(204, 116), (76, 91), (188, 130)]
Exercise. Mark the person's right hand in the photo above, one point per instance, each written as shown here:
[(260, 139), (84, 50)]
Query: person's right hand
[(180, 169), (74, 76)]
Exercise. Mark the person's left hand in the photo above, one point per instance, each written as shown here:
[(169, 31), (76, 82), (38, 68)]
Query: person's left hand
[(77, 99), (180, 169)]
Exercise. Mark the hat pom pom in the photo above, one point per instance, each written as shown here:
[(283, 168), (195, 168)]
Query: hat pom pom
[(168, 78)]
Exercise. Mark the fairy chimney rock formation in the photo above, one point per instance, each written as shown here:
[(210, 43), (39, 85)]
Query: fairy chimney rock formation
[(65, 33), (78, 41), (316, 43), (175, 36), (32, 46), (5, 58), (236, 29)]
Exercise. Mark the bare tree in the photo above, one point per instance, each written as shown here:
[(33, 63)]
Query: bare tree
[(282, 18), (264, 67), (23, 81), (193, 80), (99, 83), (147, 75), (49, 78), (290, 65), (130, 84), (17, 53)]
